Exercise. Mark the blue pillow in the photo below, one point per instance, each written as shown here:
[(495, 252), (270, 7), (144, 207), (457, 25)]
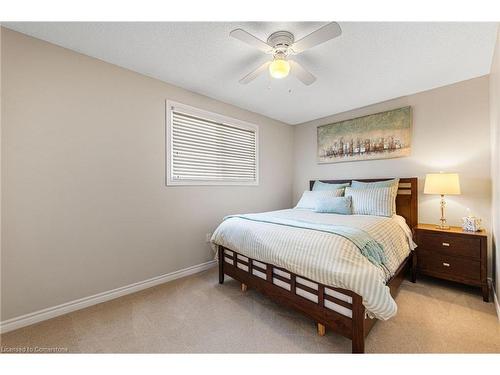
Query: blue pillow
[(321, 186), (368, 185), (338, 205)]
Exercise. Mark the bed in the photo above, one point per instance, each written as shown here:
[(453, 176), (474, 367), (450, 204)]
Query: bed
[(305, 267)]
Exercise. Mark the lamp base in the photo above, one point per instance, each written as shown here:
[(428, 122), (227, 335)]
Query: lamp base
[(443, 227), (443, 224)]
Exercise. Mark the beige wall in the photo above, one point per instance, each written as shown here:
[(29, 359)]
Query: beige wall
[(451, 132), (85, 206), (495, 156)]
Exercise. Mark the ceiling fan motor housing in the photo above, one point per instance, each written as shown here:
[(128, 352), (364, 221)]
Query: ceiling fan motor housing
[(280, 40)]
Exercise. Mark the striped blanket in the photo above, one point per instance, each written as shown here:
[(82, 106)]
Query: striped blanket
[(322, 256), (370, 248)]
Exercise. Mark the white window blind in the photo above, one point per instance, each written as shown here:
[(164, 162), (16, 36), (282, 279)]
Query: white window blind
[(206, 148)]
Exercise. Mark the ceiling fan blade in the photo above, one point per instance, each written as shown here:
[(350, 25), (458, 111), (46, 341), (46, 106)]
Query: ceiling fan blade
[(302, 74), (323, 34), (248, 38), (253, 74)]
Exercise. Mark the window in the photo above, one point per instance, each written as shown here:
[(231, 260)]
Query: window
[(205, 148)]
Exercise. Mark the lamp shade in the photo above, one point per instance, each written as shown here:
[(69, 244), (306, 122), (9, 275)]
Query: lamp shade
[(442, 184)]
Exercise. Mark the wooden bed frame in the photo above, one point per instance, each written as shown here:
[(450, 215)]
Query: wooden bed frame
[(338, 309)]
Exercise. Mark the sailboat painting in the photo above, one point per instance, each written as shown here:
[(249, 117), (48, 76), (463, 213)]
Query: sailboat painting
[(378, 136)]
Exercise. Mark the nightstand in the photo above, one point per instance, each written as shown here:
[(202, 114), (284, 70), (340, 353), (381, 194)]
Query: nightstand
[(453, 254)]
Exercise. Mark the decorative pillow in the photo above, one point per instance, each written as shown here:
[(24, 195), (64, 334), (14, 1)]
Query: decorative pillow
[(320, 186), (338, 205), (371, 201), (309, 198), (393, 184)]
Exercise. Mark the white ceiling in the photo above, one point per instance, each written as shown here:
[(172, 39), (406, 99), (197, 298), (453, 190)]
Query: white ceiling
[(368, 63)]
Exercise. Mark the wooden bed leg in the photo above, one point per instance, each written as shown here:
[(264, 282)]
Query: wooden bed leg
[(358, 324), (413, 265), (358, 345), (321, 329), (220, 253), (244, 287)]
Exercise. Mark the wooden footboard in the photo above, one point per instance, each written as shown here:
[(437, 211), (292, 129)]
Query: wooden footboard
[(339, 309)]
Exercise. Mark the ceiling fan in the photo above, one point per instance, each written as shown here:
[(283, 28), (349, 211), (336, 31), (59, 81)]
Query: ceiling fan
[(281, 45)]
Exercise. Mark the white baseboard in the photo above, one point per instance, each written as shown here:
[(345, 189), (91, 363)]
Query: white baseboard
[(52, 312), (495, 298)]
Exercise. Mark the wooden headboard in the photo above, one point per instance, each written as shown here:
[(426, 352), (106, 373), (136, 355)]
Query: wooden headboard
[(406, 200)]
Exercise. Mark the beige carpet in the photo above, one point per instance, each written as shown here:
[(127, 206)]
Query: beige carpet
[(196, 314)]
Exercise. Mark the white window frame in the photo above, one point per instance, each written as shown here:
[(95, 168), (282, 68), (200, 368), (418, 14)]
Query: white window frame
[(172, 106)]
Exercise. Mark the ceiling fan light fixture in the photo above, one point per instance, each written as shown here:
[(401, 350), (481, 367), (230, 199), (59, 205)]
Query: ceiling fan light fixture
[(279, 68), (282, 44)]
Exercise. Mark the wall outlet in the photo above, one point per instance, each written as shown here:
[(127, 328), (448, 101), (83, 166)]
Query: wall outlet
[(208, 236)]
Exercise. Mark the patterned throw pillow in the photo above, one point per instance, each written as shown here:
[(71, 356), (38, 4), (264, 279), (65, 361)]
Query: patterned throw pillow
[(393, 184), (309, 198), (371, 201)]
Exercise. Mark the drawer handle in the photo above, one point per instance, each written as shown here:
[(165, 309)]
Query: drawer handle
[(446, 244), (446, 264)]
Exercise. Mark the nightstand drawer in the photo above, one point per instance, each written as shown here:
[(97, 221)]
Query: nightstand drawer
[(447, 266), (450, 245)]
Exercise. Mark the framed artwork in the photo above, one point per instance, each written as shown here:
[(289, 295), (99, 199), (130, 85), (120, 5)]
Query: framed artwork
[(379, 136)]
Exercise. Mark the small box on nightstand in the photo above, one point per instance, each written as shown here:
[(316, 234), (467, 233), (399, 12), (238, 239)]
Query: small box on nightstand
[(453, 254)]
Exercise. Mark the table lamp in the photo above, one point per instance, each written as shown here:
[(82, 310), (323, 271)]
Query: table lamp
[(442, 184)]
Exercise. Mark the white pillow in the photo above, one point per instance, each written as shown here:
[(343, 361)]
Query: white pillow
[(309, 198), (394, 184), (371, 201)]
